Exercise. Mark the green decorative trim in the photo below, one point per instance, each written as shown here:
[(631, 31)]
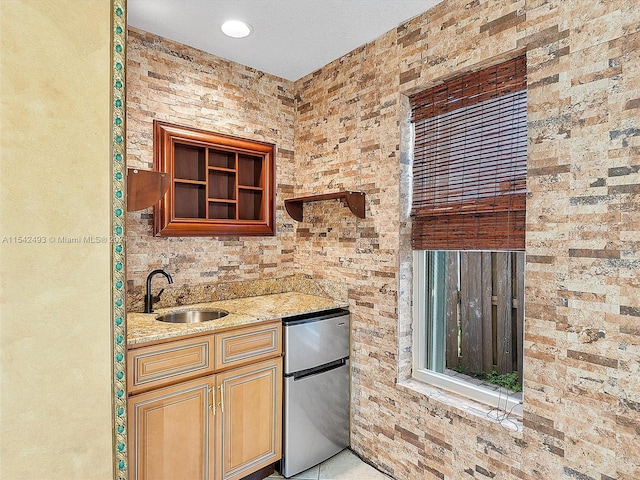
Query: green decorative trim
[(118, 177)]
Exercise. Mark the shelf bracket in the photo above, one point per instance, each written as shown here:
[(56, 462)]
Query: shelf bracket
[(355, 203)]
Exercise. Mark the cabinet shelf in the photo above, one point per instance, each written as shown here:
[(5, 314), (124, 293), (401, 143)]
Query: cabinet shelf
[(190, 182), (221, 169), (355, 203)]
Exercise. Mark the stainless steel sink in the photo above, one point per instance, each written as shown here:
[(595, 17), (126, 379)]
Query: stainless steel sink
[(192, 316)]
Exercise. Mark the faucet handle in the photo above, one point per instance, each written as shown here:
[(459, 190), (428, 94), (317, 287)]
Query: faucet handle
[(157, 297)]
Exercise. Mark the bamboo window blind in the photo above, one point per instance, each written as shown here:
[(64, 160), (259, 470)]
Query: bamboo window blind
[(470, 161)]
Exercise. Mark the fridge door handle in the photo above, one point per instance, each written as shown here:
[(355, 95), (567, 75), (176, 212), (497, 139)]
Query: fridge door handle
[(317, 371)]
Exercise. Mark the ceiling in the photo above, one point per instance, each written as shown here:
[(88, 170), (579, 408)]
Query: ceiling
[(290, 38)]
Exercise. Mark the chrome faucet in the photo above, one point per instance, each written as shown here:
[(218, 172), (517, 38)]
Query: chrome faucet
[(148, 298)]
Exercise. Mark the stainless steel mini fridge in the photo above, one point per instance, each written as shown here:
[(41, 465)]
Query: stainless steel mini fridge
[(316, 389)]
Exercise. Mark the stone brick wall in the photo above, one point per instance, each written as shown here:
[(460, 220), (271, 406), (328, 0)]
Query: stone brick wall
[(582, 329), (174, 83), (582, 388)]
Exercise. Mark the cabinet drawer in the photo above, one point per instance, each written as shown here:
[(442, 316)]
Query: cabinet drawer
[(159, 365), (251, 344)]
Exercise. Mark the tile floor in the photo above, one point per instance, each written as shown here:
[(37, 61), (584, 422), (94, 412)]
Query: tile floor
[(343, 466)]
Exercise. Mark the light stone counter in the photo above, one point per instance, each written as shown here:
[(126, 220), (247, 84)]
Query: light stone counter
[(143, 328)]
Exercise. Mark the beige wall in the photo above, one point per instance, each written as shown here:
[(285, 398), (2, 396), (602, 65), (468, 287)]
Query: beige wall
[(55, 296)]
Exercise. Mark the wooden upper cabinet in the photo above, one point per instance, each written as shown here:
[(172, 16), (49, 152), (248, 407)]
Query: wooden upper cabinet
[(220, 185)]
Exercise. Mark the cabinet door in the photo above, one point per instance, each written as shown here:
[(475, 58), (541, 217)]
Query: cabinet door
[(171, 432), (250, 414)]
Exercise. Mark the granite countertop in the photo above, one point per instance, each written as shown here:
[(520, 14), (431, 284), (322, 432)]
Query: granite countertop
[(143, 328)]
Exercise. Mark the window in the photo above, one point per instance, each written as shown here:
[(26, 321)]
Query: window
[(468, 227)]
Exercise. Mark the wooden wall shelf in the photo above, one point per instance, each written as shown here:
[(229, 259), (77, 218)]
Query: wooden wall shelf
[(145, 188), (355, 202), (220, 184)]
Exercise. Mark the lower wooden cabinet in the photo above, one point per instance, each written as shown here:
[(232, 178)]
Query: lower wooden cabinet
[(249, 423), (223, 426), (172, 432)]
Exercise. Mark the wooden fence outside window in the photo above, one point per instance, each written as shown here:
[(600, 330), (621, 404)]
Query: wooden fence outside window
[(484, 311)]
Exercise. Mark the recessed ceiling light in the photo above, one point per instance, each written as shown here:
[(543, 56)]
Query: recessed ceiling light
[(236, 28)]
